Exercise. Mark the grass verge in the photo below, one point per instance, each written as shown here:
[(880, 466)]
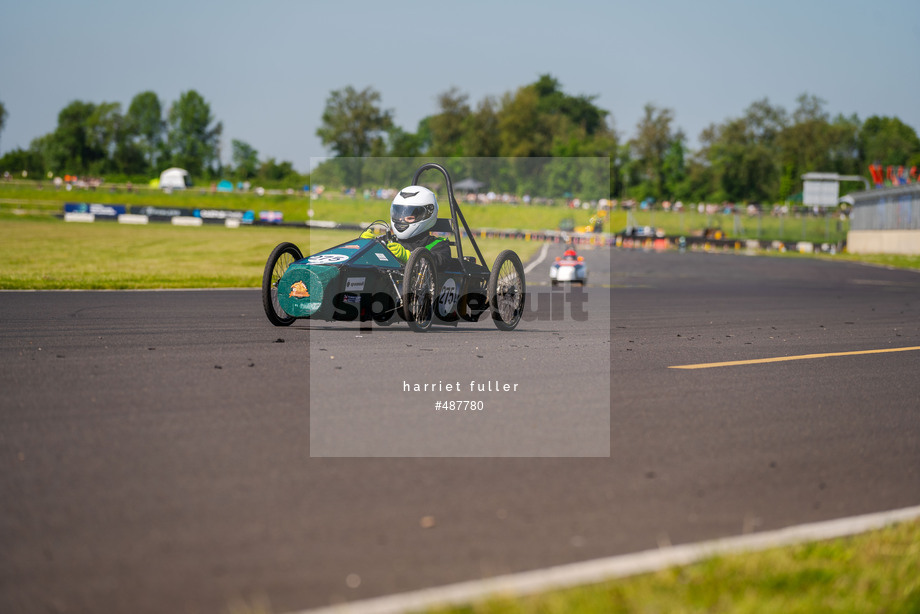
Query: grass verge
[(877, 571), (893, 261), (47, 253), (897, 261), (25, 196)]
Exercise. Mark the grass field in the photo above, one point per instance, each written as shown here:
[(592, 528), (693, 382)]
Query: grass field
[(873, 572), (896, 261), (296, 207), (25, 195), (765, 227), (41, 252), (47, 253)]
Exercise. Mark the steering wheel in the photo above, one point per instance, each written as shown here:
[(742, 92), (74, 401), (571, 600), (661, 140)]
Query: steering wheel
[(384, 237)]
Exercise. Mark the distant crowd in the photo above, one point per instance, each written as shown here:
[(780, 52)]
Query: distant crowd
[(484, 198)]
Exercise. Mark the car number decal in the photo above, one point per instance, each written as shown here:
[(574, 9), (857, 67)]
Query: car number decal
[(447, 299), (327, 258)]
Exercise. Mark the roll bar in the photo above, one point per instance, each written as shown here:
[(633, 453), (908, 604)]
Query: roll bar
[(454, 212)]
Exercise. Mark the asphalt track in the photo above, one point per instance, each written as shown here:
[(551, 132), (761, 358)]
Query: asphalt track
[(155, 446)]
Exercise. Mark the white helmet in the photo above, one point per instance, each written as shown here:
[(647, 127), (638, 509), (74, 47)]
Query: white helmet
[(414, 211)]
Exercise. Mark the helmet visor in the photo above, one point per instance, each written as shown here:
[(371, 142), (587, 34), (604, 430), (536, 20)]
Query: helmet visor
[(409, 214)]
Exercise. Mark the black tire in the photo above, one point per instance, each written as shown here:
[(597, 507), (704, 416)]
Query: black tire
[(507, 290), (280, 259), (419, 290)]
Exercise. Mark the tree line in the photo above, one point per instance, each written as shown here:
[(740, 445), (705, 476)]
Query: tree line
[(551, 136), (756, 157), (102, 140)]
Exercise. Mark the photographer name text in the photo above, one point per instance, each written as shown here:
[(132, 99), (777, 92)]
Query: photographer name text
[(475, 386)]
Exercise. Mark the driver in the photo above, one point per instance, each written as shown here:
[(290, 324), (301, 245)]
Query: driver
[(570, 254), (413, 213)]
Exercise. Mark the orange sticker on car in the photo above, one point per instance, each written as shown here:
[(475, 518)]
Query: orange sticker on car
[(299, 290)]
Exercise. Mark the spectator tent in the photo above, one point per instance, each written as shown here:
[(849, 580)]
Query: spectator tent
[(175, 179)]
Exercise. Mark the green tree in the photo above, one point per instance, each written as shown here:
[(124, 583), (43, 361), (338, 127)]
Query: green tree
[(541, 120), (193, 137), (806, 142), (449, 125), (19, 160), (888, 141), (423, 134), (481, 142), (674, 168), (402, 144), (353, 122), (812, 142), (744, 154), (579, 110), (71, 147), (245, 159), (106, 134), (354, 126), (481, 137), (271, 170), (652, 141), (2, 117), (145, 128), (699, 183), (625, 175), (523, 131), (844, 145)]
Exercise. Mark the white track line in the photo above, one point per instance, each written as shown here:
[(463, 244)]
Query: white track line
[(599, 570), (539, 259)]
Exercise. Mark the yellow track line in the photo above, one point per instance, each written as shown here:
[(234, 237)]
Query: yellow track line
[(756, 361)]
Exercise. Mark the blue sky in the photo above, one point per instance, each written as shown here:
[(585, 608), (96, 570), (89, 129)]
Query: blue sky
[(267, 67)]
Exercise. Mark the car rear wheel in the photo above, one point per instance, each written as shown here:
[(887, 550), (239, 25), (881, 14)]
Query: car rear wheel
[(507, 290)]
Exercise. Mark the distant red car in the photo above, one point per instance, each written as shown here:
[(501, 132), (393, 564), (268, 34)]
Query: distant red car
[(570, 267)]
